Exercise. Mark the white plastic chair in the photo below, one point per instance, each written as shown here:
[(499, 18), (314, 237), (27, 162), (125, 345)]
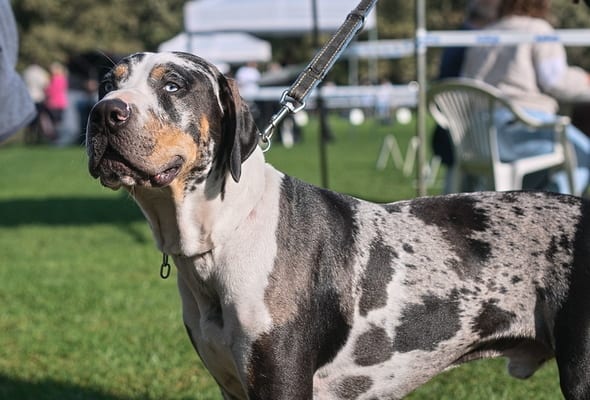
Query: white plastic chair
[(466, 108)]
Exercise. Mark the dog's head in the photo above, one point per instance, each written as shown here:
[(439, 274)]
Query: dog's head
[(164, 117)]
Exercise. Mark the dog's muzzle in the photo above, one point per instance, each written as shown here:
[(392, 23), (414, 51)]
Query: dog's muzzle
[(119, 150)]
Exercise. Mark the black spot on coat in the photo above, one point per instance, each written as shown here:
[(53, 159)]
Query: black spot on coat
[(451, 212), (423, 326), (392, 208), (372, 347), (408, 248), (492, 319), (458, 217), (351, 387), (481, 250), (377, 276), (518, 211)]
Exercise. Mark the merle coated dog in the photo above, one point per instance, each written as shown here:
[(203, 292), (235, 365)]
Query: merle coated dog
[(290, 291)]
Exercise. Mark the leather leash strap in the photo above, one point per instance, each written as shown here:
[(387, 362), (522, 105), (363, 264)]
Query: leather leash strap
[(293, 99)]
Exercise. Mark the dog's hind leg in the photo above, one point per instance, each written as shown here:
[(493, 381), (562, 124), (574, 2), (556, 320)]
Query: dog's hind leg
[(572, 346), (573, 361), (572, 320)]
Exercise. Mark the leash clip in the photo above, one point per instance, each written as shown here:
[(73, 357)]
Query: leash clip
[(165, 267), (288, 107), (293, 99)]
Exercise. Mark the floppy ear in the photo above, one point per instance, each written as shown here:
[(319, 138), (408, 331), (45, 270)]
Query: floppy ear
[(240, 134)]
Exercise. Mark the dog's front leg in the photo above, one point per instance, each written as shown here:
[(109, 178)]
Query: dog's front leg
[(228, 396), (280, 369)]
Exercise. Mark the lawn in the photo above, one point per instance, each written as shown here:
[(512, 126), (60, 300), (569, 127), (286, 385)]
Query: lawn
[(85, 314)]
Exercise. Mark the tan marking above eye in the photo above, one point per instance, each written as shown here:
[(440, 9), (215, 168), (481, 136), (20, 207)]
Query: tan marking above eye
[(158, 73), (120, 71)]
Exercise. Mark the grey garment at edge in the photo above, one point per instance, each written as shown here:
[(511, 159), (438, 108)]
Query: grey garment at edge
[(16, 107)]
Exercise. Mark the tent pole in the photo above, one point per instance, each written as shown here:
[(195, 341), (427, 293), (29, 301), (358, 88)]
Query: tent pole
[(323, 120), (420, 46), (374, 60)]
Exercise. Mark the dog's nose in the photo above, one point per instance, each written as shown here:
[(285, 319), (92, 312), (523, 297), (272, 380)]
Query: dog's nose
[(114, 113)]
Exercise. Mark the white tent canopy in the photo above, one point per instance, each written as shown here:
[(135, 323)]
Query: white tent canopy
[(228, 47), (269, 17)]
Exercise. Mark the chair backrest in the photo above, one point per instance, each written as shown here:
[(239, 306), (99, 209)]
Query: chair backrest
[(466, 108)]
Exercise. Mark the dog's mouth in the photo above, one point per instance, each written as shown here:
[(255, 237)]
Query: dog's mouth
[(114, 171)]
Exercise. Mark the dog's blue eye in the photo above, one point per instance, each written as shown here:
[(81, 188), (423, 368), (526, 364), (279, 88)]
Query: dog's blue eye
[(171, 87)]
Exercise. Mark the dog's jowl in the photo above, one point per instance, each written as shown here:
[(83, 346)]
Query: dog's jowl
[(290, 291)]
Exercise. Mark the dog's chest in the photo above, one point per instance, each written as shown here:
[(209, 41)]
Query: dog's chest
[(226, 311), (209, 330)]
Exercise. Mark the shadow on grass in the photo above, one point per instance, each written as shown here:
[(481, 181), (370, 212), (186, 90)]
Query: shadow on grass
[(13, 388), (68, 211)]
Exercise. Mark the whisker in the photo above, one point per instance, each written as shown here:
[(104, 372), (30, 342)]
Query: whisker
[(105, 55)]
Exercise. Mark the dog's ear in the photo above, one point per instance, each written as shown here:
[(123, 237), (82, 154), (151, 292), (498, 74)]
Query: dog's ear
[(240, 134)]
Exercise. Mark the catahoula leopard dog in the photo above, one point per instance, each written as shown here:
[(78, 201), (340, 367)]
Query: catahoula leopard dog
[(290, 291)]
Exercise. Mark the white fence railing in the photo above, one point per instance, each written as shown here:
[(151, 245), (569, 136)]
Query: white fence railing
[(398, 48)]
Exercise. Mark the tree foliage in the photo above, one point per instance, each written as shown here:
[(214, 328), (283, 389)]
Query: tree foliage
[(54, 30)]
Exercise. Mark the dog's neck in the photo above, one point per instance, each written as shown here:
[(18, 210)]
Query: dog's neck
[(191, 223)]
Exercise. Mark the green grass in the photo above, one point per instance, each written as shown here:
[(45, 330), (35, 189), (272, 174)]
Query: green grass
[(84, 314)]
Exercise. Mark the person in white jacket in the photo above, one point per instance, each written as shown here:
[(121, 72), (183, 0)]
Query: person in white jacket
[(535, 76), (16, 106)]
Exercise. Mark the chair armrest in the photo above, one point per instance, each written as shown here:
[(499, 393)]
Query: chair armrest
[(561, 121)]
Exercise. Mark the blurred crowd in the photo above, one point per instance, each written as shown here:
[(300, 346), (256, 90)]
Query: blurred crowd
[(49, 104), (62, 101)]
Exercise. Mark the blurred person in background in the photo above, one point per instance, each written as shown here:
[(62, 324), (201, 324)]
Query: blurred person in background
[(36, 78), (478, 14), (247, 77), (16, 106), (41, 128), (383, 106), (534, 76), (56, 92)]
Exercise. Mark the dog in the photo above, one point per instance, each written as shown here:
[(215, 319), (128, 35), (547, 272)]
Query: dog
[(290, 291)]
